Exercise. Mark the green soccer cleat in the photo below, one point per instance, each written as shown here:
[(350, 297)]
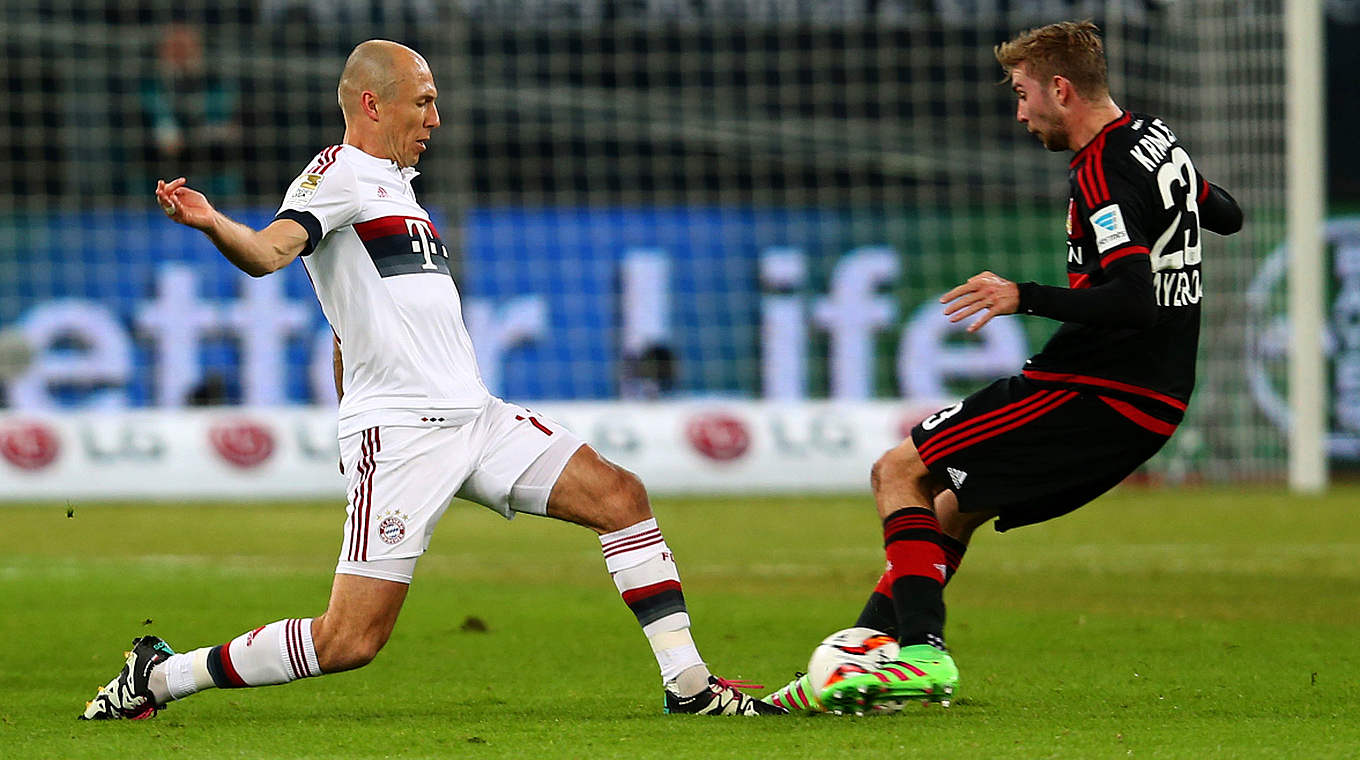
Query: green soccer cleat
[(798, 694), (920, 672)]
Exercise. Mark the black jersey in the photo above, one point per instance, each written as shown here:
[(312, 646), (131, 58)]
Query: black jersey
[(1133, 241)]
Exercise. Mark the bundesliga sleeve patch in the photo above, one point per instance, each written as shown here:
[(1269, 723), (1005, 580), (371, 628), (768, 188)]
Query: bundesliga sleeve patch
[(305, 189), (1107, 225)]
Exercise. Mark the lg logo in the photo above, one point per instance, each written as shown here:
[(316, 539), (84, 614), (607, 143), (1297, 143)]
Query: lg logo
[(29, 445)]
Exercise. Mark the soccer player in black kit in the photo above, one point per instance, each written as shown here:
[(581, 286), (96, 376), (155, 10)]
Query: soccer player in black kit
[(1103, 396)]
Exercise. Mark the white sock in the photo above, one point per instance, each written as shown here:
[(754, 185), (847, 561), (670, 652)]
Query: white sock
[(644, 572), (181, 675), (272, 654)]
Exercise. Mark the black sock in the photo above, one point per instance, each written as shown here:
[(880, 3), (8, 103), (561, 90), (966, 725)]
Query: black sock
[(953, 555), (878, 614), (918, 568)]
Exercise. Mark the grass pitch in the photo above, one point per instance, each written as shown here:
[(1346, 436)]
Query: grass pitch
[(1176, 624)]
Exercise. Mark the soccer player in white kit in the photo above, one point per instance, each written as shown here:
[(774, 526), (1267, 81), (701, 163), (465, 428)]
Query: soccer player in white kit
[(417, 426)]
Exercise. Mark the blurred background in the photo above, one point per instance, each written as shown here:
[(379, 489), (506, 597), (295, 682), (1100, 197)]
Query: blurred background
[(715, 228)]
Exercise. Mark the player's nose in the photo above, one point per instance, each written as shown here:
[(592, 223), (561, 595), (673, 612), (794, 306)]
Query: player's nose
[(432, 119)]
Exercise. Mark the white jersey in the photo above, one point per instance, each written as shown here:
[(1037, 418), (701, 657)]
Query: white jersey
[(381, 274)]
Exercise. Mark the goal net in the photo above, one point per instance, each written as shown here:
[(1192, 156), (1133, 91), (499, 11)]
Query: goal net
[(755, 199)]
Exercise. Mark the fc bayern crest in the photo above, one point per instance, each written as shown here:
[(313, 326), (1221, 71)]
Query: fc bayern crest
[(391, 530)]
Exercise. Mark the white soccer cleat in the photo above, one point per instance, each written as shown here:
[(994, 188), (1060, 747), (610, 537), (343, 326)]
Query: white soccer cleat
[(128, 696)]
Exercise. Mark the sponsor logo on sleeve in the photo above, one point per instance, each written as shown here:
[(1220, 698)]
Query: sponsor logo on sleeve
[(306, 188), (1107, 225)]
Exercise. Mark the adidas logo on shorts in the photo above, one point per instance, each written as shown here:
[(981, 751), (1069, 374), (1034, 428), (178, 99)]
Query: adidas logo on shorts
[(957, 476)]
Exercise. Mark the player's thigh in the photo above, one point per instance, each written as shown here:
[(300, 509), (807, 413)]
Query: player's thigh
[(1030, 453), (400, 482), (521, 455), (955, 522)]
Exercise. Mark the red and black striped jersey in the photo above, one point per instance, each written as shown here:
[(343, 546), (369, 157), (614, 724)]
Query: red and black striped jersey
[(1131, 311)]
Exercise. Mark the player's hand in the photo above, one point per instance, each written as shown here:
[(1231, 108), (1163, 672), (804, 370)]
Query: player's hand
[(984, 292), (184, 205)]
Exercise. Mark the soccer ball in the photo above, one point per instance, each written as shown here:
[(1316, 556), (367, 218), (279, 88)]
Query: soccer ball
[(848, 653)]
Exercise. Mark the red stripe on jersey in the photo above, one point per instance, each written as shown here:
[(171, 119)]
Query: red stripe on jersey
[(330, 160), (1140, 417), (1087, 194), (995, 417), (1098, 161), (1119, 253), (1117, 123), (325, 160), (1027, 417), (384, 226), (1203, 190), (1065, 377), (1078, 281)]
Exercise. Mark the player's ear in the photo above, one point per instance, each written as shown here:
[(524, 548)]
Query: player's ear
[(1062, 90), (368, 104)]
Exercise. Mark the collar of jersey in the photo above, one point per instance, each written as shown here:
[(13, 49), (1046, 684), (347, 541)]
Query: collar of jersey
[(409, 173), (1123, 118)]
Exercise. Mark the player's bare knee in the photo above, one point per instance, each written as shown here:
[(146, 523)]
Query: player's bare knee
[(626, 502), (900, 466)]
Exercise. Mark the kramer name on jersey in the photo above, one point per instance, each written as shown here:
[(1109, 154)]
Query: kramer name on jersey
[(1153, 146)]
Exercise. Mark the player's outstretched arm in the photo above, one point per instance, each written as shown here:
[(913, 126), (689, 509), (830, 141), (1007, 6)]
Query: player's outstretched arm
[(1126, 299), (1219, 212), (255, 252)]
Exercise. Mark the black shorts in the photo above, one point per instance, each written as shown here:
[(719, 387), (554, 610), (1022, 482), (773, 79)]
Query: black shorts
[(1034, 452)]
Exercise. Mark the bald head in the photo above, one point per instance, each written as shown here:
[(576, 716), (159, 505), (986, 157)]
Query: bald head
[(376, 66), (387, 94)]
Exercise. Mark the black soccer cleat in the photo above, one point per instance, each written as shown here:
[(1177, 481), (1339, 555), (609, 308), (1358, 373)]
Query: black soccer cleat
[(721, 698), (128, 696)]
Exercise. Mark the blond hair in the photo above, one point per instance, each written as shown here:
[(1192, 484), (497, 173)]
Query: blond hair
[(1070, 49)]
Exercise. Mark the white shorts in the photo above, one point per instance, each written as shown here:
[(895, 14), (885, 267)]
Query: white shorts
[(401, 480)]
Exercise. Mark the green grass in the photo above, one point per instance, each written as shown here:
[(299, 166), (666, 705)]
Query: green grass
[(1176, 624)]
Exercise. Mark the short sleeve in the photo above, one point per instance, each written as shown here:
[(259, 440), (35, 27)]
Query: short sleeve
[(322, 198)]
